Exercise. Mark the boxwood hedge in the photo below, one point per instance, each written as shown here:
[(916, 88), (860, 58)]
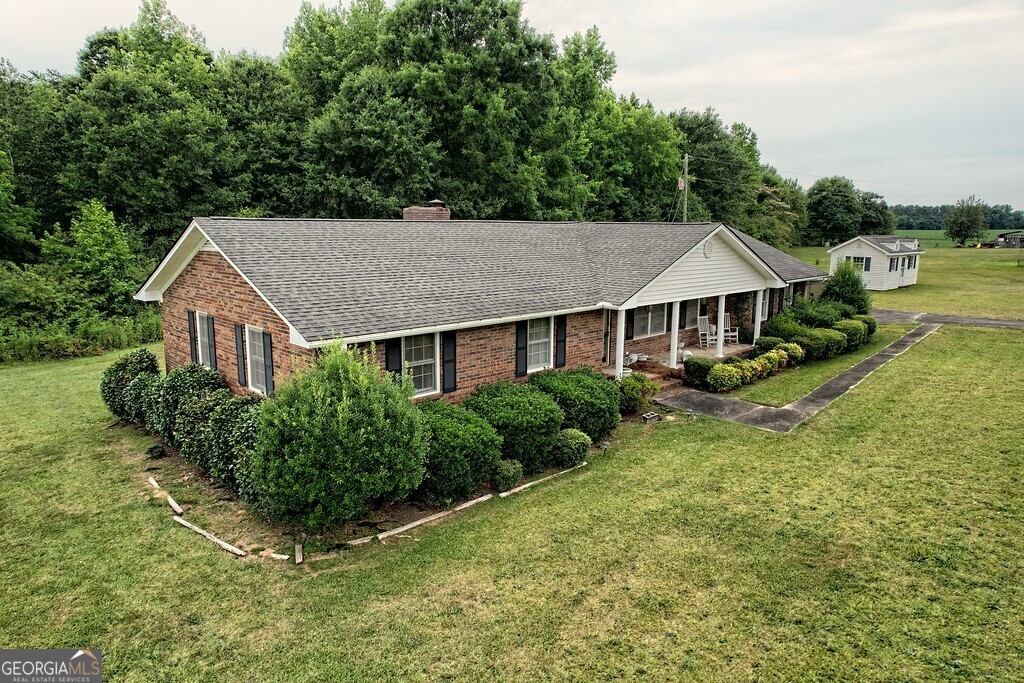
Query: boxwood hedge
[(589, 400)]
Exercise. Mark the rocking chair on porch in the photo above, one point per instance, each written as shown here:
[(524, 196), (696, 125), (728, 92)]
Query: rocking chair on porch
[(730, 333), (705, 332)]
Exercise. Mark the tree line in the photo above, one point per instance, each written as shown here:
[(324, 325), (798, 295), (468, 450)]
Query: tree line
[(1001, 217)]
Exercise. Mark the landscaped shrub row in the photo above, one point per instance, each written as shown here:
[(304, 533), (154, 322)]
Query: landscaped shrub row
[(588, 400), (344, 436), (731, 375)]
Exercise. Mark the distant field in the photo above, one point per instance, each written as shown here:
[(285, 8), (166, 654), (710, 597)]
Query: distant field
[(981, 282), (937, 238)]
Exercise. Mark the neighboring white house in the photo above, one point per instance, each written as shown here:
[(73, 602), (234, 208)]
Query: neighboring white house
[(886, 261)]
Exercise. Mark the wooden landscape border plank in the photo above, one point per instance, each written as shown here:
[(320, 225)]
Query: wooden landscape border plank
[(506, 494), (206, 534)]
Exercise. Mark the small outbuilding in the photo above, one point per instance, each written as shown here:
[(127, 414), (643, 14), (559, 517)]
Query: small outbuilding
[(1010, 240), (885, 261)]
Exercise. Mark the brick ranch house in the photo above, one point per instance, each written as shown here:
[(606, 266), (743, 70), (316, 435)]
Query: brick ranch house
[(458, 303)]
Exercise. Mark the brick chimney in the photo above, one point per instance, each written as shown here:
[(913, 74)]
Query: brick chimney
[(435, 210)]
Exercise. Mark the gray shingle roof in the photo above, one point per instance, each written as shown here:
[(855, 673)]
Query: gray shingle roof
[(369, 277), (789, 268), (887, 243)]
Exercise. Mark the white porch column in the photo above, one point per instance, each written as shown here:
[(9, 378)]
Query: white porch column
[(758, 313), (720, 342), (673, 345), (620, 343)]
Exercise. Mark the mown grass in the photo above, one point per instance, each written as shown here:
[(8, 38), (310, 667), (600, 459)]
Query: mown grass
[(878, 541), (985, 283), (792, 383), (933, 239)]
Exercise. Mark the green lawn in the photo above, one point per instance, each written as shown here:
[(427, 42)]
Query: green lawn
[(881, 540), (791, 384), (931, 239), (981, 282)]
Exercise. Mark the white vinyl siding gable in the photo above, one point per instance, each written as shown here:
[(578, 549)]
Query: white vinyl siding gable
[(695, 276)]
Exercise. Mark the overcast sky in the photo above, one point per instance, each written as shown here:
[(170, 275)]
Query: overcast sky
[(921, 101)]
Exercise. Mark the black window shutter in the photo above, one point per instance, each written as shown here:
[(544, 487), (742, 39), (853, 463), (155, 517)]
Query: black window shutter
[(192, 350), (240, 353), (668, 317), (521, 337), (560, 330), (630, 318), (211, 342), (771, 302), (268, 362), (682, 315), (393, 356), (448, 383)]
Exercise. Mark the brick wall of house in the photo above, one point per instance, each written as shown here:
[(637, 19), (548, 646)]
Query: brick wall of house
[(486, 354), (209, 284)]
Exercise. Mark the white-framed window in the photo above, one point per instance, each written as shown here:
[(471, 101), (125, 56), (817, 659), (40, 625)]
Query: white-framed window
[(764, 305), (539, 345), (649, 321), (894, 264), (692, 311), (255, 359), (204, 345), (912, 262), (420, 355), (863, 263)]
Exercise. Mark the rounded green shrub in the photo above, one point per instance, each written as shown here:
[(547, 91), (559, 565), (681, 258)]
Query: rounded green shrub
[(461, 453), (122, 371), (232, 438), (785, 326), (794, 353), (856, 333), (696, 369), (245, 437), (821, 344), (178, 386), (870, 322), (526, 418), (819, 313), (506, 474), (766, 344), (846, 285), (724, 377), (571, 448), (589, 400), (636, 393), (336, 440), (152, 396), (135, 397), (192, 425)]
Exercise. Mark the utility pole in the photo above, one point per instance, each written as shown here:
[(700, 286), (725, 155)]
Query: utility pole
[(686, 183)]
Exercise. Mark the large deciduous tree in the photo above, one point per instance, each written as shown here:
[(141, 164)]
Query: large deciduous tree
[(966, 221), (833, 211), (876, 218)]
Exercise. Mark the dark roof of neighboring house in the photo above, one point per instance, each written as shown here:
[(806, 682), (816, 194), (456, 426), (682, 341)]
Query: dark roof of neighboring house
[(789, 268), (887, 243), (358, 277)]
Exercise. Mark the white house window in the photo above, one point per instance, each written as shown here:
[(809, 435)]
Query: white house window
[(862, 263), (692, 311), (912, 262), (649, 321), (254, 359), (538, 344), (420, 355), (204, 345), (894, 264), (764, 305)]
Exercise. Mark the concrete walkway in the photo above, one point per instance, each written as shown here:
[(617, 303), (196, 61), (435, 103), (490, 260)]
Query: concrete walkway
[(886, 316), (786, 418)]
